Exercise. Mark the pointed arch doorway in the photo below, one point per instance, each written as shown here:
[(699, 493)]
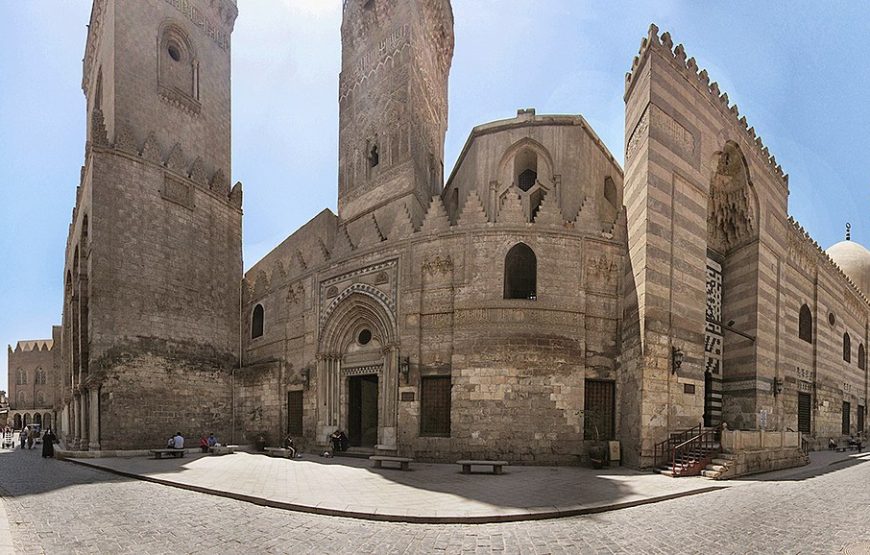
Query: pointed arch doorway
[(357, 369)]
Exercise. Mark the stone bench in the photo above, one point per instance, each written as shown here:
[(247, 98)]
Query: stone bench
[(222, 449), (159, 453), (279, 452), (496, 465), (403, 462)]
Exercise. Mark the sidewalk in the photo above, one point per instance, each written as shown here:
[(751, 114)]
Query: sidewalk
[(431, 493)]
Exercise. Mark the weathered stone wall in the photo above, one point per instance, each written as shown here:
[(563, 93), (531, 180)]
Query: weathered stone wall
[(147, 396)]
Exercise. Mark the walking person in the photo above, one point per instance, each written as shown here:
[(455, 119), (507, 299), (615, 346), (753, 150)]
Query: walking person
[(31, 436), (48, 441), (23, 436)]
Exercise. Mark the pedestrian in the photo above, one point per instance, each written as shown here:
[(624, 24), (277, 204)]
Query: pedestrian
[(23, 436), (48, 441), (31, 435)]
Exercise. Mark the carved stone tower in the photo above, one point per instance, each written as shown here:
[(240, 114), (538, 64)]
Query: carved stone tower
[(153, 260), (396, 57)]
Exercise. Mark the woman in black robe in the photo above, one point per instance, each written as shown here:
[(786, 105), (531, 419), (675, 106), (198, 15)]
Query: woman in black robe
[(48, 439)]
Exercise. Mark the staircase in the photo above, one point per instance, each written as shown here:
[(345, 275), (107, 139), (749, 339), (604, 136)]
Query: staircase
[(688, 453), (718, 467)]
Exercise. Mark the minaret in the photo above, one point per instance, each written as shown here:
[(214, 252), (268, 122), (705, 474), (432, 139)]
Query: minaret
[(153, 256), (396, 57)]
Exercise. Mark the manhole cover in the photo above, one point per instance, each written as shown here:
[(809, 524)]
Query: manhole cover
[(860, 548)]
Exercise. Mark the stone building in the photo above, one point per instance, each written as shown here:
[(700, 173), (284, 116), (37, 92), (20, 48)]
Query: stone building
[(540, 300), (34, 372)]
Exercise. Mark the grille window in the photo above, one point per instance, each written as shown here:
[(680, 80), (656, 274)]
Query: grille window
[(435, 410), (598, 412), (294, 413)]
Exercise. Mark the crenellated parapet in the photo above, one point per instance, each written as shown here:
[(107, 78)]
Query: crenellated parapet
[(803, 251), (663, 45), (192, 169), (36, 345)]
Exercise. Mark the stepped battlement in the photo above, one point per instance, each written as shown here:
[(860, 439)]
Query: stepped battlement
[(664, 46)]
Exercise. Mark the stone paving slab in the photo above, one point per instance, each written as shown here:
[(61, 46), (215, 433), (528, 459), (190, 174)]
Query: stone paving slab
[(429, 493)]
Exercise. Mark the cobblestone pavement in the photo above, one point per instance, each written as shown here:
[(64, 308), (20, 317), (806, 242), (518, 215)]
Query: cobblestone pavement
[(58, 507)]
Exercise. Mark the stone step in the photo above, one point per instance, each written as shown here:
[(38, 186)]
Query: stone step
[(722, 461), (711, 474), (717, 467)]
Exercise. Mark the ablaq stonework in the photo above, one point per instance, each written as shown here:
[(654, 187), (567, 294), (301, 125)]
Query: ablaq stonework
[(543, 298)]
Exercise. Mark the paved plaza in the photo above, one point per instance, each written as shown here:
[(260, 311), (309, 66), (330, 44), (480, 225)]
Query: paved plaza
[(61, 507), (432, 493)]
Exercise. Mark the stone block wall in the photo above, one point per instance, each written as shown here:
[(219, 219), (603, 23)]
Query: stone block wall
[(144, 398)]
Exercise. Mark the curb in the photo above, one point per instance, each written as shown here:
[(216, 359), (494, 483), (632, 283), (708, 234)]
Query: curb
[(6, 545), (486, 519)]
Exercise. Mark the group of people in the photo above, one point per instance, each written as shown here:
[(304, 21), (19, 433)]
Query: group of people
[(205, 443), (28, 436)]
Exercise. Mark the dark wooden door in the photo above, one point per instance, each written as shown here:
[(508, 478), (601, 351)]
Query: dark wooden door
[(805, 411)]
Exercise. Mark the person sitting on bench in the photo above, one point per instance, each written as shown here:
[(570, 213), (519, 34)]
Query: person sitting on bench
[(288, 444), (339, 441), (178, 441)]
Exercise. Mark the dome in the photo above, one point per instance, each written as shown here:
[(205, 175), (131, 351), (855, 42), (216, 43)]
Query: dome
[(854, 260)]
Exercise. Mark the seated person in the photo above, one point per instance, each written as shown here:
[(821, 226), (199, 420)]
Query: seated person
[(339, 440), (212, 441), (178, 441), (288, 444), (203, 443), (170, 444)]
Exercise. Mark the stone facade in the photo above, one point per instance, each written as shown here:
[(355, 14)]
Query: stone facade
[(540, 301), (34, 380)]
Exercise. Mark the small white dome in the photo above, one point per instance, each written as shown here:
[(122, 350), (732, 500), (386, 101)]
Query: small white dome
[(854, 259)]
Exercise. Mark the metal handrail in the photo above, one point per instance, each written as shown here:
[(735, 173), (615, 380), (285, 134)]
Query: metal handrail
[(703, 441)]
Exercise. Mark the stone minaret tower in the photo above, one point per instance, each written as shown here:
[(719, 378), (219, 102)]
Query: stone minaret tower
[(153, 259), (396, 57)]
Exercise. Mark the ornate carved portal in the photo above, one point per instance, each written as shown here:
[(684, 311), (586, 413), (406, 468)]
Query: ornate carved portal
[(731, 211), (358, 370)]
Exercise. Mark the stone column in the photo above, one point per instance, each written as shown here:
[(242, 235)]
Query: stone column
[(327, 396), (85, 421), (390, 394), (76, 421), (94, 424)]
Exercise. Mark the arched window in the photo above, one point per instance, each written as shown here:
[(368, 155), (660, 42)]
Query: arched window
[(40, 376), (37, 419), (374, 157), (520, 273), (805, 324), (22, 376), (862, 357), (257, 322), (847, 347), (526, 169)]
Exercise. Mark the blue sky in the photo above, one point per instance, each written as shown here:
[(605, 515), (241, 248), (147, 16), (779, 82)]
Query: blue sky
[(798, 71)]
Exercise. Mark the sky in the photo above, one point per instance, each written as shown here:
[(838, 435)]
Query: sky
[(798, 71)]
